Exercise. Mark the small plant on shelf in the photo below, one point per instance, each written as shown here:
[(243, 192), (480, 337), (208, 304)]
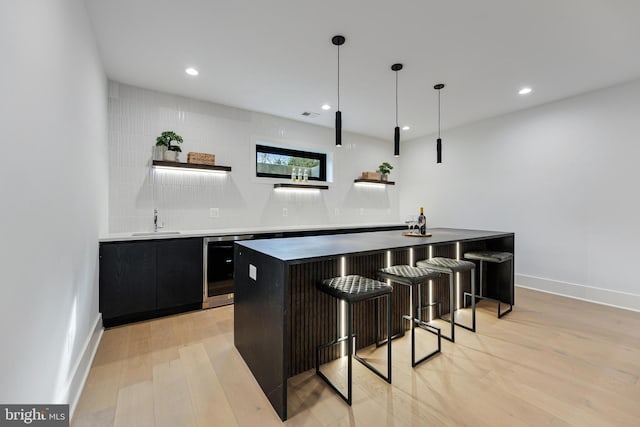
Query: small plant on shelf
[(385, 170), (166, 139)]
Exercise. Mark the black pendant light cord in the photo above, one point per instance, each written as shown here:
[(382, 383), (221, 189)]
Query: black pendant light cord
[(338, 77), (439, 87), (396, 98), (438, 114), (396, 131), (338, 41)]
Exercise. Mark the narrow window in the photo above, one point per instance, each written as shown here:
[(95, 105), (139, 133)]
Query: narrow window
[(275, 162)]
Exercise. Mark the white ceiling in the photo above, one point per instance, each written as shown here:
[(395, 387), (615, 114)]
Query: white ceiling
[(276, 56)]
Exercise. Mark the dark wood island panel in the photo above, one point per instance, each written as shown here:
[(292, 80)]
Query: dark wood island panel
[(280, 317)]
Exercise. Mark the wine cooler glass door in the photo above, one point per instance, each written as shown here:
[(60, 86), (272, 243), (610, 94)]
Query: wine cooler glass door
[(218, 270)]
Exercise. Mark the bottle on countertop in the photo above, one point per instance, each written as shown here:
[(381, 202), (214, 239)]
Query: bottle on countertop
[(293, 175), (422, 222)]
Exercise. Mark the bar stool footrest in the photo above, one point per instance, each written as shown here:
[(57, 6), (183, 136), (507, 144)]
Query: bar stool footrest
[(323, 376), (371, 368), (432, 329), (355, 356), (445, 319), (393, 337), (497, 301)]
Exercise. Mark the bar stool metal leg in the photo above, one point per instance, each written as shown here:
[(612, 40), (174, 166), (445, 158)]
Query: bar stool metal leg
[(389, 333), (349, 352), (510, 292), (349, 338), (452, 307), (473, 303), (413, 327), (473, 299), (418, 311), (381, 342), (423, 325), (414, 278), (352, 353), (480, 294), (387, 378), (352, 289), (451, 321)]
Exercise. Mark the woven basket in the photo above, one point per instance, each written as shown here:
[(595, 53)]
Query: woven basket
[(201, 158), (370, 175)]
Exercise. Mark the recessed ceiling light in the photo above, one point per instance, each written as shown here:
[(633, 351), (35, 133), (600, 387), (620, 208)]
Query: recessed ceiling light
[(191, 71), (326, 107), (405, 128), (525, 91)]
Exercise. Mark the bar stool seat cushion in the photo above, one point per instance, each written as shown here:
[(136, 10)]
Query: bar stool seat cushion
[(354, 288), (446, 265), (489, 256), (410, 274)]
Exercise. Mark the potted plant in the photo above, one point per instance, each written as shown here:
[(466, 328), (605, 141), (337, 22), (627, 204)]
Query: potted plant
[(385, 170), (172, 150)]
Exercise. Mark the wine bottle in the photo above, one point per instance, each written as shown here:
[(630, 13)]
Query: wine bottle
[(422, 222)]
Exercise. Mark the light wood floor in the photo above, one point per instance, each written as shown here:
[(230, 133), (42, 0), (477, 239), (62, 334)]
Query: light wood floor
[(553, 361)]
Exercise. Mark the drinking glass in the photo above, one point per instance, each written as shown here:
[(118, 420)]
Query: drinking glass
[(412, 222)]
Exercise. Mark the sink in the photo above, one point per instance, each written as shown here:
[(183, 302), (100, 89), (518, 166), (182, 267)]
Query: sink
[(155, 233)]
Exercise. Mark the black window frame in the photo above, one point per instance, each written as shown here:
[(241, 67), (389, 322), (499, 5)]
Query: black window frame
[(293, 153)]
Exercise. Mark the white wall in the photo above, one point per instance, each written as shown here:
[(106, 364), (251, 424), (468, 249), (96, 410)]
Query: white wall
[(137, 116), (564, 177), (54, 197)]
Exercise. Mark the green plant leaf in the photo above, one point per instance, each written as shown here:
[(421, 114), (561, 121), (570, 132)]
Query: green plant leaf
[(166, 138)]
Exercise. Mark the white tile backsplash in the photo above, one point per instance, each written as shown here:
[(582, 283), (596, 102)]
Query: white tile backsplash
[(137, 116)]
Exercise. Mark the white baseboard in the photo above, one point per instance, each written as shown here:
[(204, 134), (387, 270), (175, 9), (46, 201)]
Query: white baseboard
[(82, 368), (617, 299)]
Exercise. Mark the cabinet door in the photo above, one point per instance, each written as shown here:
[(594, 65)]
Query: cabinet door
[(179, 272), (127, 278)]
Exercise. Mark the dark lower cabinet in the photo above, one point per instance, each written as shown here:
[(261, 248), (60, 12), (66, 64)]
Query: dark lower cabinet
[(146, 279), (127, 278), (178, 272)]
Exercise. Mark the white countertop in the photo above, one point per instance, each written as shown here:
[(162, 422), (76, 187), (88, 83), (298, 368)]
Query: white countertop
[(176, 234)]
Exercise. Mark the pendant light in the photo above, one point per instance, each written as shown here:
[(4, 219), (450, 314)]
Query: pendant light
[(396, 134), (439, 87), (338, 41)]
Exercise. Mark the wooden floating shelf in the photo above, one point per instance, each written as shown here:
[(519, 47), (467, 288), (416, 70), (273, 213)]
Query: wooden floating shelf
[(302, 186), (180, 165), (374, 181)]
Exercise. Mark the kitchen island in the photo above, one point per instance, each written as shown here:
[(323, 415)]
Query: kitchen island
[(280, 317)]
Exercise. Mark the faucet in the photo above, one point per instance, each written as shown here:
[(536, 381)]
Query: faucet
[(155, 221)]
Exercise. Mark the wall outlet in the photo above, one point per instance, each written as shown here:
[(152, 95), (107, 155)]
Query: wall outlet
[(253, 272), (214, 212), (285, 211)]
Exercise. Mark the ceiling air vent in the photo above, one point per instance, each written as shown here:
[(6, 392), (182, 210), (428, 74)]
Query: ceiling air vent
[(310, 114)]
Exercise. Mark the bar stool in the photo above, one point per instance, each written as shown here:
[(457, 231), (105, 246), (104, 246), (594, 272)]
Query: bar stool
[(414, 277), (451, 266), (498, 258), (352, 289)]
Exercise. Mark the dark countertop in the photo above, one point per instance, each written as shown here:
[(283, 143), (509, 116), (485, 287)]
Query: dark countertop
[(296, 249)]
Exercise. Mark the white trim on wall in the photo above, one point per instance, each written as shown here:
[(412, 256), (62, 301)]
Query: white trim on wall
[(83, 365), (608, 297)]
